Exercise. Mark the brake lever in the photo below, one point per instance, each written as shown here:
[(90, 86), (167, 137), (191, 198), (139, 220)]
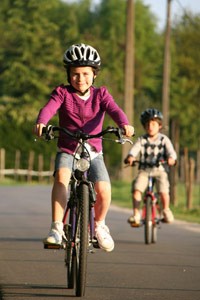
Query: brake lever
[(122, 141), (128, 141)]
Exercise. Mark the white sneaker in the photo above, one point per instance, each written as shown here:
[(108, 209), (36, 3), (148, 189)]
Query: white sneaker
[(55, 234), (104, 238), (135, 220), (168, 215)]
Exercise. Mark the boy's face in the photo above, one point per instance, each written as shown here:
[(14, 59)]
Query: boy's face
[(152, 128), (81, 78)]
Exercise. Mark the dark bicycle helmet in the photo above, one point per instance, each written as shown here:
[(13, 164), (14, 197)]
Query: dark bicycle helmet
[(81, 55), (150, 114)]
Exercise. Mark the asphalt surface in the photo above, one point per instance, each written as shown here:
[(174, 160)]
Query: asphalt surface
[(169, 269)]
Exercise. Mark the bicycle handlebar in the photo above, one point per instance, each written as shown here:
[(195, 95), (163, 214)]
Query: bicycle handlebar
[(150, 165), (48, 132)]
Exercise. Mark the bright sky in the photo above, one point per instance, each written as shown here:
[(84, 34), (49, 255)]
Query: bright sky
[(159, 8)]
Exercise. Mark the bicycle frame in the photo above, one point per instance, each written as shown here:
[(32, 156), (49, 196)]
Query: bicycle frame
[(78, 217), (150, 193), (150, 213), (80, 227)]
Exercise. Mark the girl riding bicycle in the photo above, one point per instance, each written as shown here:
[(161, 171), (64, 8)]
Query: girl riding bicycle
[(152, 147), (81, 106)]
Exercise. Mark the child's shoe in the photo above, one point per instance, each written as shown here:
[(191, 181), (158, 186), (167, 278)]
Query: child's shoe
[(134, 221), (168, 215), (55, 234), (104, 238)]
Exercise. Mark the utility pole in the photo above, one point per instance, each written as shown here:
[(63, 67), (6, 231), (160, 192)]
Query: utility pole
[(165, 100), (166, 71), (126, 173)]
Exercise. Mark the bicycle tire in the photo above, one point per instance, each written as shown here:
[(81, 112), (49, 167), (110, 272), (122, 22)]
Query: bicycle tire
[(82, 239), (71, 269), (154, 234), (154, 226), (148, 221), (70, 253)]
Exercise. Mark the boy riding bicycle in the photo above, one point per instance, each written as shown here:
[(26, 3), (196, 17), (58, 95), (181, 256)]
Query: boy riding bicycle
[(152, 147), (81, 106)]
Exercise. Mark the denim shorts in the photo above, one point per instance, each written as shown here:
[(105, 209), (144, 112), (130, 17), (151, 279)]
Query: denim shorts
[(97, 172)]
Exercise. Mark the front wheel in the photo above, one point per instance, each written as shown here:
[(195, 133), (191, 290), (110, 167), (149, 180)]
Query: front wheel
[(70, 255), (155, 222), (148, 225), (81, 241), (154, 233)]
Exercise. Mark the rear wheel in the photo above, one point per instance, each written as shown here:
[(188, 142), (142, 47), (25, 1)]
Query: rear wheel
[(81, 241), (148, 226)]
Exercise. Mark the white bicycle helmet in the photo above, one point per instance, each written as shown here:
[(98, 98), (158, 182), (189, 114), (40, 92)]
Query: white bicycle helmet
[(81, 55)]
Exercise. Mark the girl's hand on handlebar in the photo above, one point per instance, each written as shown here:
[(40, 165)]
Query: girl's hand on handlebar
[(38, 129), (129, 130)]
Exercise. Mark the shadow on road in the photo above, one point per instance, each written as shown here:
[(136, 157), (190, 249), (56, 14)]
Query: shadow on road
[(17, 239), (27, 291)]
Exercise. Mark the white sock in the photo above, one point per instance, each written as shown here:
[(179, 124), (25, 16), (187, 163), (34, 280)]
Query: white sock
[(99, 223), (57, 225)]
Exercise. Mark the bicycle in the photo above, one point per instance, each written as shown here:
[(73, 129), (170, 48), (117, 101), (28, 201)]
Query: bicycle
[(78, 220), (151, 215)]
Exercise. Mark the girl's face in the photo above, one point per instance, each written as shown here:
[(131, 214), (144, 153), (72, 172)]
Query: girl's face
[(81, 78), (152, 128)]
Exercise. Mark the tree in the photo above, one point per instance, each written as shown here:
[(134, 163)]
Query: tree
[(28, 54), (148, 62), (35, 34), (185, 92)]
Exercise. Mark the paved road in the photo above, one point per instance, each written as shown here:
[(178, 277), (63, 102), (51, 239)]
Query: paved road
[(167, 270)]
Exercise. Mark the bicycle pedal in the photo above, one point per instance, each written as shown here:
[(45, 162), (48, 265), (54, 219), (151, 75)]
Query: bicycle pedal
[(163, 220), (92, 251), (53, 246), (157, 221), (135, 225), (95, 243)]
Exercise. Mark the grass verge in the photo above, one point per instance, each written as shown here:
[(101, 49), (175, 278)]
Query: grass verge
[(121, 196)]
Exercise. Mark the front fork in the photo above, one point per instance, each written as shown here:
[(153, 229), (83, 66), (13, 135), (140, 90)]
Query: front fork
[(70, 228), (153, 208)]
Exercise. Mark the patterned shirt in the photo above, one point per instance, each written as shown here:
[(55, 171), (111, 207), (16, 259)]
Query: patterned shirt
[(78, 114), (152, 151)]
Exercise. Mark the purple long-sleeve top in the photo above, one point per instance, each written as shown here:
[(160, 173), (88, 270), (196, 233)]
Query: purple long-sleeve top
[(78, 114)]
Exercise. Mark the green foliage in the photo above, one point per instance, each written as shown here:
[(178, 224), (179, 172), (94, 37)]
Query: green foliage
[(148, 61), (28, 58), (185, 92), (34, 35)]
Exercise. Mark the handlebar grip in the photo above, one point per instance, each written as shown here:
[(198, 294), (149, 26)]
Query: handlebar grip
[(48, 132), (126, 160), (122, 131), (44, 130)]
